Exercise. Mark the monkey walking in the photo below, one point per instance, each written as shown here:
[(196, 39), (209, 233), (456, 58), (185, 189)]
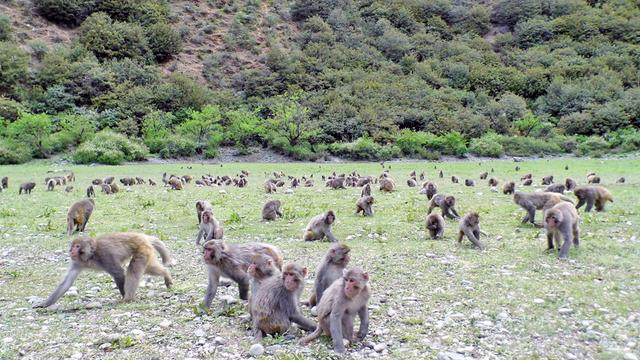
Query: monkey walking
[(78, 215), (107, 253), (537, 201), (470, 227), (365, 205), (446, 204), (562, 220), (26, 187), (592, 195)]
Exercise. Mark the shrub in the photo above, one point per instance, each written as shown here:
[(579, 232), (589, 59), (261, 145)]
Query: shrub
[(5, 28), (625, 140), (365, 149), (594, 146), (12, 152), (9, 109), (144, 12), (109, 39), (65, 12), (454, 144), (109, 148), (13, 65), (412, 142), (527, 146), (487, 145), (175, 146), (32, 131), (164, 41)]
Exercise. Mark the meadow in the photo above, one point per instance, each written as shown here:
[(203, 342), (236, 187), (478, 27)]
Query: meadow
[(430, 298)]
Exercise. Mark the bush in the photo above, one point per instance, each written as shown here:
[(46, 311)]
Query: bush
[(12, 152), (9, 109), (164, 41), (175, 146), (594, 146), (32, 130), (625, 140), (109, 39), (488, 145), (365, 149), (412, 142), (65, 12), (454, 144), (14, 64), (5, 28), (109, 148), (527, 146)]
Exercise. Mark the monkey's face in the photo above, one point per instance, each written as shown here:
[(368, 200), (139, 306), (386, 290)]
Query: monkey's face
[(81, 250), (352, 287), (291, 280), (553, 219), (450, 201), (212, 252), (330, 218)]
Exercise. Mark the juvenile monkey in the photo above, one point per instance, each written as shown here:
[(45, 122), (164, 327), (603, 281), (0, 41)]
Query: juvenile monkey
[(435, 225), (526, 176), (26, 187), (175, 183), (330, 269), (365, 205), (620, 180), (446, 204), (114, 188), (441, 174), (570, 184), (106, 188), (320, 226), (346, 297), (591, 195), (201, 206), (210, 228), (107, 253), (187, 178), (527, 182), (531, 202), (68, 188), (469, 182), (108, 180), (152, 183), (484, 175), (274, 305), (556, 188), (233, 262), (470, 226), (78, 215), (51, 183), (272, 210), (509, 188), (96, 182), (412, 182), (593, 179), (4, 182), (493, 182), (430, 189), (547, 180), (269, 187), (261, 268), (387, 184), (562, 220), (366, 190), (454, 179)]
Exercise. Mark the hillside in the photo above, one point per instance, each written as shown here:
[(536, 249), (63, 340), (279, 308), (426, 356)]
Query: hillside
[(360, 79)]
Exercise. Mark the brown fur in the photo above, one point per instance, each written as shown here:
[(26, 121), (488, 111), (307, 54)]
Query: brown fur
[(320, 226), (509, 188), (201, 206), (78, 215), (387, 184), (531, 202), (562, 220), (210, 228), (470, 227), (365, 205), (592, 194), (446, 204), (272, 210), (330, 269), (435, 226), (429, 188)]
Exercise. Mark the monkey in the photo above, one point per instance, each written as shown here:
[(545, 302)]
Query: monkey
[(274, 306), (107, 253), (233, 262), (269, 187), (469, 182), (517, 168), (331, 267), (454, 179), (261, 268), (308, 183), (295, 183), (366, 190), (547, 180), (152, 183), (527, 182), (365, 205), (139, 180), (593, 179), (175, 184), (320, 226), (591, 195), (428, 188), (106, 188), (114, 188), (78, 215), (570, 184), (493, 182), (210, 227), (5, 182), (562, 220), (346, 297), (280, 183), (620, 180), (412, 182), (470, 226), (387, 184), (90, 191), (68, 189), (556, 188), (446, 204), (509, 188), (27, 187), (566, 167), (422, 176), (96, 182), (484, 175), (362, 181), (271, 210), (187, 178), (531, 202), (441, 175), (202, 205), (526, 176), (336, 183), (108, 180), (127, 181), (51, 184), (435, 225)]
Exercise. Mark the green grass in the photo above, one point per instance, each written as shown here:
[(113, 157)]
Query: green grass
[(444, 294)]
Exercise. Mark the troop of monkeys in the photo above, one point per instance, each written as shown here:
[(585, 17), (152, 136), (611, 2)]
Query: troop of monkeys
[(272, 290)]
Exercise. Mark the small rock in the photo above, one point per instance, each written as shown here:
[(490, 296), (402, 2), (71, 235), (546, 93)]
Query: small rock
[(256, 350), (228, 299), (77, 356), (199, 333), (565, 311), (165, 323), (450, 356), (93, 305), (105, 346), (218, 340), (485, 324), (392, 313), (570, 356), (137, 332), (314, 311), (630, 356), (379, 347), (222, 191), (288, 191), (538, 301)]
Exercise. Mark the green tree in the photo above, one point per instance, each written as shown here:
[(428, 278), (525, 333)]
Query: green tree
[(244, 127), (5, 28), (204, 127), (14, 64), (528, 124), (32, 130), (164, 41), (65, 12), (290, 119)]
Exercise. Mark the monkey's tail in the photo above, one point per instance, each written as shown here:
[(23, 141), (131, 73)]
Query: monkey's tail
[(566, 199), (163, 251)]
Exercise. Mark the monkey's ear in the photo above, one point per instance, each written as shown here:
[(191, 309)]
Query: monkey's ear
[(365, 276), (304, 271)]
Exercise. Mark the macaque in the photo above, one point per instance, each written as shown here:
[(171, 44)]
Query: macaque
[(570, 184), (202, 205), (454, 179), (320, 226), (272, 210), (591, 195), (469, 182), (412, 182), (422, 176), (233, 262), (26, 187), (91, 192), (96, 182), (274, 305), (336, 183), (366, 190), (346, 297), (387, 184), (509, 188), (470, 226), (152, 183), (210, 227), (269, 187), (175, 184), (527, 182), (330, 269), (261, 268), (562, 220), (365, 205), (308, 183), (139, 180), (78, 215), (441, 175), (108, 253), (531, 202), (435, 225), (493, 182), (446, 204), (556, 188), (620, 180), (187, 178), (114, 188), (484, 175), (108, 180), (106, 188), (593, 179), (4, 182), (127, 181), (526, 176), (362, 181), (68, 189), (430, 189), (51, 184)]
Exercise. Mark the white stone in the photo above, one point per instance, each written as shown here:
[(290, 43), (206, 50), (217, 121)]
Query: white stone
[(105, 346), (199, 333), (228, 299), (165, 323), (379, 347), (314, 311), (538, 301), (630, 356), (256, 350), (565, 311), (77, 356)]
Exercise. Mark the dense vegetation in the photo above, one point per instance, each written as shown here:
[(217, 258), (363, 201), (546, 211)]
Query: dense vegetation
[(369, 79)]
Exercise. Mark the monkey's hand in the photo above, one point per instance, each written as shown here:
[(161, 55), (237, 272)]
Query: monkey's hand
[(360, 336), (38, 303)]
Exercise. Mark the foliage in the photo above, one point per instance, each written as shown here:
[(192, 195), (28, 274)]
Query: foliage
[(65, 12), (109, 39), (5, 28), (14, 65), (32, 130), (108, 147), (13, 152), (204, 129), (488, 145), (9, 109), (164, 41), (290, 119)]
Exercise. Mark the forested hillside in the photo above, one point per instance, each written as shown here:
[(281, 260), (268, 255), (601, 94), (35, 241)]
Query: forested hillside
[(115, 80)]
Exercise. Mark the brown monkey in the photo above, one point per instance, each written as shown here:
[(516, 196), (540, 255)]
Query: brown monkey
[(422, 176), (5, 182), (366, 190), (233, 261), (527, 182), (593, 179), (435, 225), (127, 181), (320, 226), (387, 184), (412, 182), (365, 205), (68, 188), (446, 204), (210, 228), (441, 174), (620, 180), (346, 297), (152, 183), (531, 202), (562, 220), (78, 215), (274, 305), (96, 182), (139, 180), (202, 205), (106, 188), (570, 184), (336, 183), (470, 226), (108, 180), (269, 187), (330, 269), (114, 188), (454, 179), (261, 268), (51, 184), (27, 187), (430, 189), (509, 187), (362, 181), (547, 180), (469, 182), (107, 253), (591, 195), (272, 210), (556, 188), (175, 183), (187, 178), (527, 176), (484, 175), (493, 182), (308, 183)]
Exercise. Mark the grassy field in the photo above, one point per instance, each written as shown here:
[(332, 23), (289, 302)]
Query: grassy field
[(429, 298)]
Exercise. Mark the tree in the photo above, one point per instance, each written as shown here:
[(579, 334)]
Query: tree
[(290, 119), (203, 127), (244, 127), (13, 66), (32, 130)]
